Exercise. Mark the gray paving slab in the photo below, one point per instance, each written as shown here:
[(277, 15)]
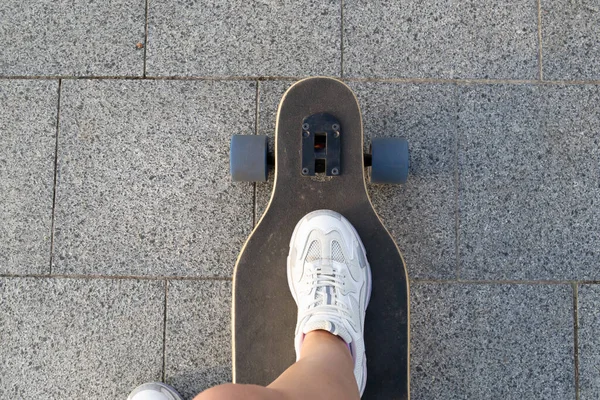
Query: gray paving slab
[(475, 341), (198, 335), (73, 339), (240, 38), (529, 189), (75, 38), (570, 31), (589, 341), (143, 177), (441, 39), (421, 215), (28, 112)]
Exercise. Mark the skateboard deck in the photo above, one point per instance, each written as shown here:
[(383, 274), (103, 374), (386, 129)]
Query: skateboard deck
[(264, 312)]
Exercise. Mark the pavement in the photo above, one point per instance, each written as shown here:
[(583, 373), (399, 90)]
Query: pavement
[(120, 224)]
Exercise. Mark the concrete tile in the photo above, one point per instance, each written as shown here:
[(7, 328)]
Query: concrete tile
[(421, 215), (28, 139), (198, 335), (589, 341), (570, 31), (239, 38), (73, 339), (472, 341), (441, 39), (72, 38), (143, 185), (529, 189)]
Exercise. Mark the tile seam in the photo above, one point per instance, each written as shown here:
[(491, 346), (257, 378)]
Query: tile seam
[(225, 279), (342, 39), (116, 277), (164, 344), (145, 37), (464, 81), (540, 52), (53, 214), (457, 182), (576, 337)]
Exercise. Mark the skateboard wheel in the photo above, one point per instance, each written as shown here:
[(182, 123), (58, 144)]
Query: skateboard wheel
[(248, 158), (389, 160)]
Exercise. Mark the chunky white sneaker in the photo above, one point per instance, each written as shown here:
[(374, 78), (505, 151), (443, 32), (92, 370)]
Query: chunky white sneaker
[(154, 391), (330, 280)]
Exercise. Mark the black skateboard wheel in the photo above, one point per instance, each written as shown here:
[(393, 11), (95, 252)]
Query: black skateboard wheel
[(389, 160), (248, 158)]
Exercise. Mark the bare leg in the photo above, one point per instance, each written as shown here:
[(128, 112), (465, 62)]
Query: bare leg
[(330, 281), (324, 371)]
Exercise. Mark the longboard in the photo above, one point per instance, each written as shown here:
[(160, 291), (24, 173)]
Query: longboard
[(325, 171)]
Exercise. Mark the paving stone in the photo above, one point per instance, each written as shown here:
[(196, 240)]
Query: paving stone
[(570, 31), (472, 341), (241, 38), (72, 38), (441, 39), (529, 182), (73, 339), (143, 185), (28, 140), (198, 335), (589, 342), (420, 215)]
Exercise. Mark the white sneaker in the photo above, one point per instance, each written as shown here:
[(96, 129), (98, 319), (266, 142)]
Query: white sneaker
[(154, 391), (330, 280)]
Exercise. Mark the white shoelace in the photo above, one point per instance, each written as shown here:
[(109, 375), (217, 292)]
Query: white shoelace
[(321, 279)]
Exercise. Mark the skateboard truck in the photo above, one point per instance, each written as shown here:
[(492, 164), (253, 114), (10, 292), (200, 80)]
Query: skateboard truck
[(321, 146), (320, 152)]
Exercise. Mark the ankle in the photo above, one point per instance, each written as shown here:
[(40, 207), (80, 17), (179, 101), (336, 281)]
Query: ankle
[(321, 340)]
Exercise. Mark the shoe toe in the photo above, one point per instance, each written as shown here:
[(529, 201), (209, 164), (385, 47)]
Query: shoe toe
[(154, 391)]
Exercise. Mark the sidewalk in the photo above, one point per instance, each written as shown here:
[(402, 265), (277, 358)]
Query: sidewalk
[(121, 226)]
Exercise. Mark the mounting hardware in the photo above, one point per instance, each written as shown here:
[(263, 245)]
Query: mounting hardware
[(321, 147)]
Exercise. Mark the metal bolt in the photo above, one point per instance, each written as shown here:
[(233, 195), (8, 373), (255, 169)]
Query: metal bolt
[(336, 134), (335, 127), (305, 126), (304, 171), (334, 171), (305, 134)]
